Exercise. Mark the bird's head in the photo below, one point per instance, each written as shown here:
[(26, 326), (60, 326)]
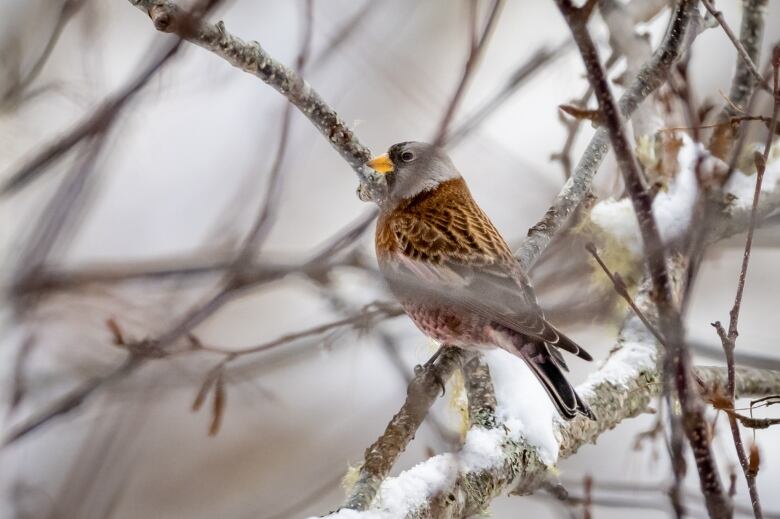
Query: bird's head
[(413, 167)]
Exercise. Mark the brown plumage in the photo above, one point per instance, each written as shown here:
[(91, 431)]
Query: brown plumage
[(455, 275)]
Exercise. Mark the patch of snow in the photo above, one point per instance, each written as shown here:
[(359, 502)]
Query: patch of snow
[(742, 186), (522, 404), (483, 449), (526, 413), (637, 353), (672, 208), (414, 487)]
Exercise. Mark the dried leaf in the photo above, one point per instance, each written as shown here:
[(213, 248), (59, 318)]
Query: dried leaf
[(758, 158), (581, 114), (116, 331), (719, 400), (754, 460), (218, 407), (205, 387)]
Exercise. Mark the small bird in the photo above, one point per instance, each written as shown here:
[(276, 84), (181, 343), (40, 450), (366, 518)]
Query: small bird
[(454, 274)]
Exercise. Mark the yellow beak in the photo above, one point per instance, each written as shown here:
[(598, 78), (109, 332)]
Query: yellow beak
[(381, 164)]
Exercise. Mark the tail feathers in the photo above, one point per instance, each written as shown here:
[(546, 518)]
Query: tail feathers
[(563, 395), (569, 345)]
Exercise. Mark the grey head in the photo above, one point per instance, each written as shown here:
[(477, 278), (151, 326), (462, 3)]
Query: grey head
[(411, 168)]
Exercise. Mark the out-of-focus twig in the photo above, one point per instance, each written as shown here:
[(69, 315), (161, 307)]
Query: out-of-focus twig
[(71, 400), (16, 92), (744, 81), (102, 118), (477, 48), (743, 52), (542, 57), (622, 290)]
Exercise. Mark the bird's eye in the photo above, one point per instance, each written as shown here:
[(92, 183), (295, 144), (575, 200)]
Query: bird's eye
[(407, 156)]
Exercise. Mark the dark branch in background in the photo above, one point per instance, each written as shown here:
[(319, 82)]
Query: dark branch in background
[(651, 75), (744, 82), (729, 339), (344, 33), (572, 128), (539, 59), (17, 90), (476, 50), (745, 59), (268, 206), (92, 127), (253, 59), (677, 361), (317, 266), (630, 491), (60, 210), (71, 400)]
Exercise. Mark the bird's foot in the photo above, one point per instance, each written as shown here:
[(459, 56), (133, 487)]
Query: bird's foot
[(428, 368)]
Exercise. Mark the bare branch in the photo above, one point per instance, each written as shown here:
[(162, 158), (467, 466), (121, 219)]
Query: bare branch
[(744, 55), (729, 339), (253, 59), (744, 81), (16, 92), (475, 53)]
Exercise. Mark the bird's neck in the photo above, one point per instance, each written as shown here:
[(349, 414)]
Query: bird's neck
[(444, 190)]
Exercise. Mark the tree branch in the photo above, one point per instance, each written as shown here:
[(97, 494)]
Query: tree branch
[(253, 59), (744, 81), (380, 457), (651, 75), (677, 361), (622, 388)]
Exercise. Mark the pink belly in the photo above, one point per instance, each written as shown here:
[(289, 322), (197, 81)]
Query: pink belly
[(448, 327)]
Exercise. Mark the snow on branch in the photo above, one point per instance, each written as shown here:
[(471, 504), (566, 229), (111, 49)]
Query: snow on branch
[(520, 454)]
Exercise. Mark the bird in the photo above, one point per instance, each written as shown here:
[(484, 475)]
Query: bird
[(454, 274)]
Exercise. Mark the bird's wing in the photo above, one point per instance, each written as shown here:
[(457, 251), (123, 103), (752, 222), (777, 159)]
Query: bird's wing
[(456, 256)]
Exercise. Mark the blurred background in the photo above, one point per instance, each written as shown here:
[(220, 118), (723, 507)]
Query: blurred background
[(178, 180)]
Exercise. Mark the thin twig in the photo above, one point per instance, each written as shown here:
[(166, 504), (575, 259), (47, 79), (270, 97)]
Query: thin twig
[(743, 83), (743, 53), (68, 9), (544, 56), (267, 210), (622, 290), (729, 339), (102, 118), (476, 50), (71, 400)]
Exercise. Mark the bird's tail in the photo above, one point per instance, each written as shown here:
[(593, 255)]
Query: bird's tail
[(563, 395)]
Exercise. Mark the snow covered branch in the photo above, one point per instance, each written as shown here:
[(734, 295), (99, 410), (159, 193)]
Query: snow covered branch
[(520, 454), (651, 75)]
